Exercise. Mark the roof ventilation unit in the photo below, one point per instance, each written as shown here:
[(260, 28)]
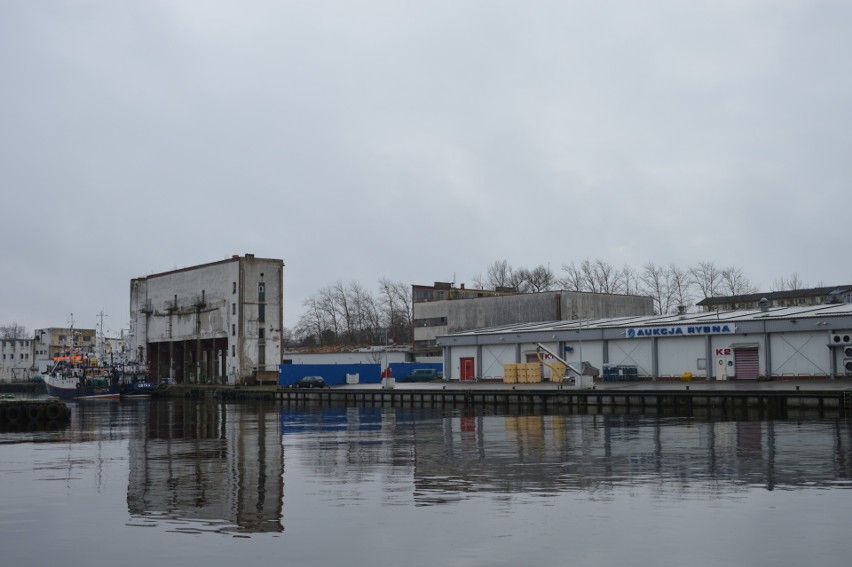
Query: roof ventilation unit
[(841, 338)]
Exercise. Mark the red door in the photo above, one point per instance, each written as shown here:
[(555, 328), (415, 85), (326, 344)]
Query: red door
[(467, 369)]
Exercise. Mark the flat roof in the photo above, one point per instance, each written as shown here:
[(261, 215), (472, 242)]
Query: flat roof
[(751, 315)]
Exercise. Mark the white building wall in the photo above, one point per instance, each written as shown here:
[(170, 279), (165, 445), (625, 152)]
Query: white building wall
[(494, 357), (800, 354), (456, 354), (16, 360), (731, 342), (590, 351), (632, 352), (677, 355)]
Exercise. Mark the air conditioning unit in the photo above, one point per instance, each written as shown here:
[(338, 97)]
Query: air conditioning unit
[(847, 366), (847, 351), (841, 338)]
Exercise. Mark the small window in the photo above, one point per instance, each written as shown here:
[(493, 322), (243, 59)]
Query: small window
[(261, 333), (233, 309), (233, 350), (261, 312), (234, 290), (233, 330)]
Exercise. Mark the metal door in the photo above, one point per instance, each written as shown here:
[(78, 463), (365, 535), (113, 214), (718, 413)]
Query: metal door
[(467, 368), (746, 364)]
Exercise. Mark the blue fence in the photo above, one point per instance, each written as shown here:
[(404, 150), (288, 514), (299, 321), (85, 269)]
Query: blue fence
[(334, 374)]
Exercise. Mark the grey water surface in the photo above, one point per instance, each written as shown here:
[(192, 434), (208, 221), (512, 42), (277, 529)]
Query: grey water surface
[(192, 483)]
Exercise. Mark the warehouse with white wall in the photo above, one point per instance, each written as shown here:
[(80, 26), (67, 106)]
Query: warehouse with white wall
[(800, 342)]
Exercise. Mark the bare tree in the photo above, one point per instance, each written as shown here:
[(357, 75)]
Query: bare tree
[(734, 282), (499, 275), (573, 279), (631, 283), (706, 278), (680, 285), (541, 279), (396, 304), (609, 277), (655, 281), (312, 322), (14, 331), (791, 283)]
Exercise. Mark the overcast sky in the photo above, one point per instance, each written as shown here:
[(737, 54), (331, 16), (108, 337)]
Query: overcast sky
[(419, 141)]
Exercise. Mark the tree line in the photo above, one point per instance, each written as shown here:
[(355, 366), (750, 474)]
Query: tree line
[(349, 314)]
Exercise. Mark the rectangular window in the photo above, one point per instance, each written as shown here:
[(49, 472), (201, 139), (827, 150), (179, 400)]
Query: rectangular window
[(233, 350), (261, 356), (261, 292), (234, 290), (261, 312), (233, 330), (261, 333), (233, 309)]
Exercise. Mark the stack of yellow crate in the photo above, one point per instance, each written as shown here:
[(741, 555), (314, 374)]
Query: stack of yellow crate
[(510, 373)]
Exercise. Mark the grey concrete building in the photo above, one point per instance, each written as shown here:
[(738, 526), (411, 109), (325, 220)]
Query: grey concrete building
[(462, 310), (213, 323)]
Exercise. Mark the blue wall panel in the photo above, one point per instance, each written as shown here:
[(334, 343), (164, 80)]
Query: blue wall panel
[(334, 374), (400, 370)]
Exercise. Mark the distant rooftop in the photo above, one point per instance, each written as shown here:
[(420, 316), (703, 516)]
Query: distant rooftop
[(827, 292)]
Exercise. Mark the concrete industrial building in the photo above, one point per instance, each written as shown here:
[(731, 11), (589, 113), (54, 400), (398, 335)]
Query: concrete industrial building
[(17, 360), (219, 322), (58, 341), (442, 310), (783, 342), (787, 298)]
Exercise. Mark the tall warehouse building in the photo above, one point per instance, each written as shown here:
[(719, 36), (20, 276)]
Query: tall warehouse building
[(213, 323)]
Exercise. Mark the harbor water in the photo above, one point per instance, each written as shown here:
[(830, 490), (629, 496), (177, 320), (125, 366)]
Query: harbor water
[(202, 482)]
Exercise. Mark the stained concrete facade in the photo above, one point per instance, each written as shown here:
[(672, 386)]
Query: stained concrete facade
[(213, 323), (16, 360), (435, 318)]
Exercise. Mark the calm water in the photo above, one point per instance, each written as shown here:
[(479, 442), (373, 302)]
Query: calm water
[(198, 483)]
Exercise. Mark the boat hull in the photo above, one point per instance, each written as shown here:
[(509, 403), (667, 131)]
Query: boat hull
[(74, 389)]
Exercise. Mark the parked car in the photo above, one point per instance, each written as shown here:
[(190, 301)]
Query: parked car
[(422, 375), (310, 382)]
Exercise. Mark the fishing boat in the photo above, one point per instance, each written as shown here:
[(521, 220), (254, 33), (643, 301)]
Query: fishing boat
[(76, 377), (135, 381)]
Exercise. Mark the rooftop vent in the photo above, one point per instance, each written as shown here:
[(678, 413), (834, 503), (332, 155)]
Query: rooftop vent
[(763, 304)]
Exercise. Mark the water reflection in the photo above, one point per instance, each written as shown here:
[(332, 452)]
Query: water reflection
[(208, 466), (450, 456)]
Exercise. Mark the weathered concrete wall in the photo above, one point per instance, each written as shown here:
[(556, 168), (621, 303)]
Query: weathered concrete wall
[(466, 314), (215, 301)]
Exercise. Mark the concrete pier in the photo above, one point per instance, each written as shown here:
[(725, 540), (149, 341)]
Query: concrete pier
[(769, 398)]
